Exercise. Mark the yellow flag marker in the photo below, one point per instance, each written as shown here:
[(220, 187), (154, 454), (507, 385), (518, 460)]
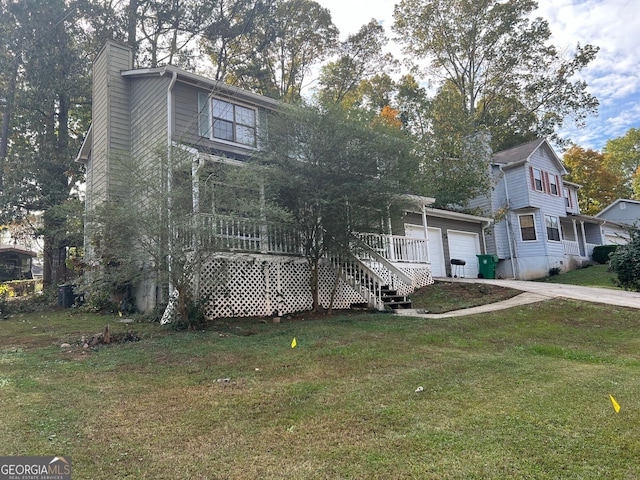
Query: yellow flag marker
[(119, 313), (616, 407), (294, 343)]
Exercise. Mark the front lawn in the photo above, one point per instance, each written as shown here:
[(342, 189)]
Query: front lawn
[(592, 276), (521, 393)]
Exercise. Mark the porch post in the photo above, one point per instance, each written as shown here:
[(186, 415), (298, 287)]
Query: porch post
[(264, 236), (575, 234), (426, 233), (584, 240)]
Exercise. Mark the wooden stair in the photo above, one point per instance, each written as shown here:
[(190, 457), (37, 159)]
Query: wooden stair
[(393, 301)]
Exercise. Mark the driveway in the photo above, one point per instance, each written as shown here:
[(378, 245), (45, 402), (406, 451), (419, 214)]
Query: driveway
[(537, 292)]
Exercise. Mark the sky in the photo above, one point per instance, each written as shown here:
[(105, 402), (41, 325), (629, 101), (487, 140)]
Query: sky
[(614, 77)]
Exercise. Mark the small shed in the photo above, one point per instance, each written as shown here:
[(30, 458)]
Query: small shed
[(15, 263)]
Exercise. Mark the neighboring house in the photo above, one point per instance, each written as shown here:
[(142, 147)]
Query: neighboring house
[(538, 222), (15, 263), (622, 211), (141, 113)]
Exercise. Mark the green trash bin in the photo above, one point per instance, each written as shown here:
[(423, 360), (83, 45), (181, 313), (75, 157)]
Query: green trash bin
[(487, 266)]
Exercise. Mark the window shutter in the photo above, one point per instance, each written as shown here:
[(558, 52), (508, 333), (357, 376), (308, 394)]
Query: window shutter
[(558, 192), (533, 180), (545, 184), (204, 115)]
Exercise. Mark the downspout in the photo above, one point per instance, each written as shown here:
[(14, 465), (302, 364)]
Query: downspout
[(174, 78), (511, 251)]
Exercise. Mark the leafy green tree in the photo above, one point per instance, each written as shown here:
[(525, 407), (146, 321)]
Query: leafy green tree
[(494, 55), (600, 185), (292, 37), (334, 171), (49, 103), (360, 58), (623, 157), (236, 35)]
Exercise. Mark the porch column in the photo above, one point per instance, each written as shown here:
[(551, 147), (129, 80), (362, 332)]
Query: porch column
[(575, 233), (584, 240), (426, 233), (264, 235)]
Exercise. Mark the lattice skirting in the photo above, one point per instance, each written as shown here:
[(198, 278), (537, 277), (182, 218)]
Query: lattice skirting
[(261, 285)]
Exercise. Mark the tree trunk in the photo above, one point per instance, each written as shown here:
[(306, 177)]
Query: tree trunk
[(6, 120)]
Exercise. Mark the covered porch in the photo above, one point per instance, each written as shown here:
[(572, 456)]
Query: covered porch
[(580, 235)]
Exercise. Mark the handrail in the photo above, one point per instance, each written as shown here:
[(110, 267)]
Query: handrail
[(383, 261)]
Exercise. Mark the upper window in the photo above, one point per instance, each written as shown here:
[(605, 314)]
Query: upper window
[(527, 227), (537, 179), (567, 198), (222, 120), (553, 228), (553, 185)]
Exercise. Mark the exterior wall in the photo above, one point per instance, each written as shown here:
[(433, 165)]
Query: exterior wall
[(149, 124), (110, 120)]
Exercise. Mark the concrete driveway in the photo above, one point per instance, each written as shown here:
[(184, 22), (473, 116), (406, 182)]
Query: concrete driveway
[(537, 292)]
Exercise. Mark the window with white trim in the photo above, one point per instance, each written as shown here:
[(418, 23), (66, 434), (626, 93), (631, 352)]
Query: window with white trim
[(527, 227), (567, 198), (223, 120), (537, 179), (553, 185), (553, 228)]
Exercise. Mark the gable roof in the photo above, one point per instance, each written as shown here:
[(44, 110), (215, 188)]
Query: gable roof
[(522, 153), (615, 204)]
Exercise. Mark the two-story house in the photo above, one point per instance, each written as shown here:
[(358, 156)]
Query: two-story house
[(538, 222), (178, 124)]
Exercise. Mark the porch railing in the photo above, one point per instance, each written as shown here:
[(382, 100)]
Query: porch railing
[(571, 248), (396, 248), (221, 232), (590, 247)]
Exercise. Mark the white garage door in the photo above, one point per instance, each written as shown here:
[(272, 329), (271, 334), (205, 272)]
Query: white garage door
[(464, 246), (436, 252)]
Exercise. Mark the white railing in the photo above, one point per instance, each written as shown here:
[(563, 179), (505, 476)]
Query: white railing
[(397, 248), (571, 248), (241, 234), (590, 247), (360, 277)]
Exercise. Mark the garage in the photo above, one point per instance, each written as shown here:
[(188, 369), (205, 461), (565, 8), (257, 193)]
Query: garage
[(464, 246), (436, 252)]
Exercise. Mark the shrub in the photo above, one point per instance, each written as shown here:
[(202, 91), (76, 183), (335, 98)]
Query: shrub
[(601, 253), (625, 262), (554, 271)]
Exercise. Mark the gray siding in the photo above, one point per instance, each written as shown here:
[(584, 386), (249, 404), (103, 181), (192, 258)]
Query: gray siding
[(624, 212), (149, 125), (186, 129), (110, 119)]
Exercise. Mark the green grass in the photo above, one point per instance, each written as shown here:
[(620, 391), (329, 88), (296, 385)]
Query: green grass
[(521, 393), (593, 276)]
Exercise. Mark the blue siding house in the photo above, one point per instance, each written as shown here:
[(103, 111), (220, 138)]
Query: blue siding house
[(538, 225)]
